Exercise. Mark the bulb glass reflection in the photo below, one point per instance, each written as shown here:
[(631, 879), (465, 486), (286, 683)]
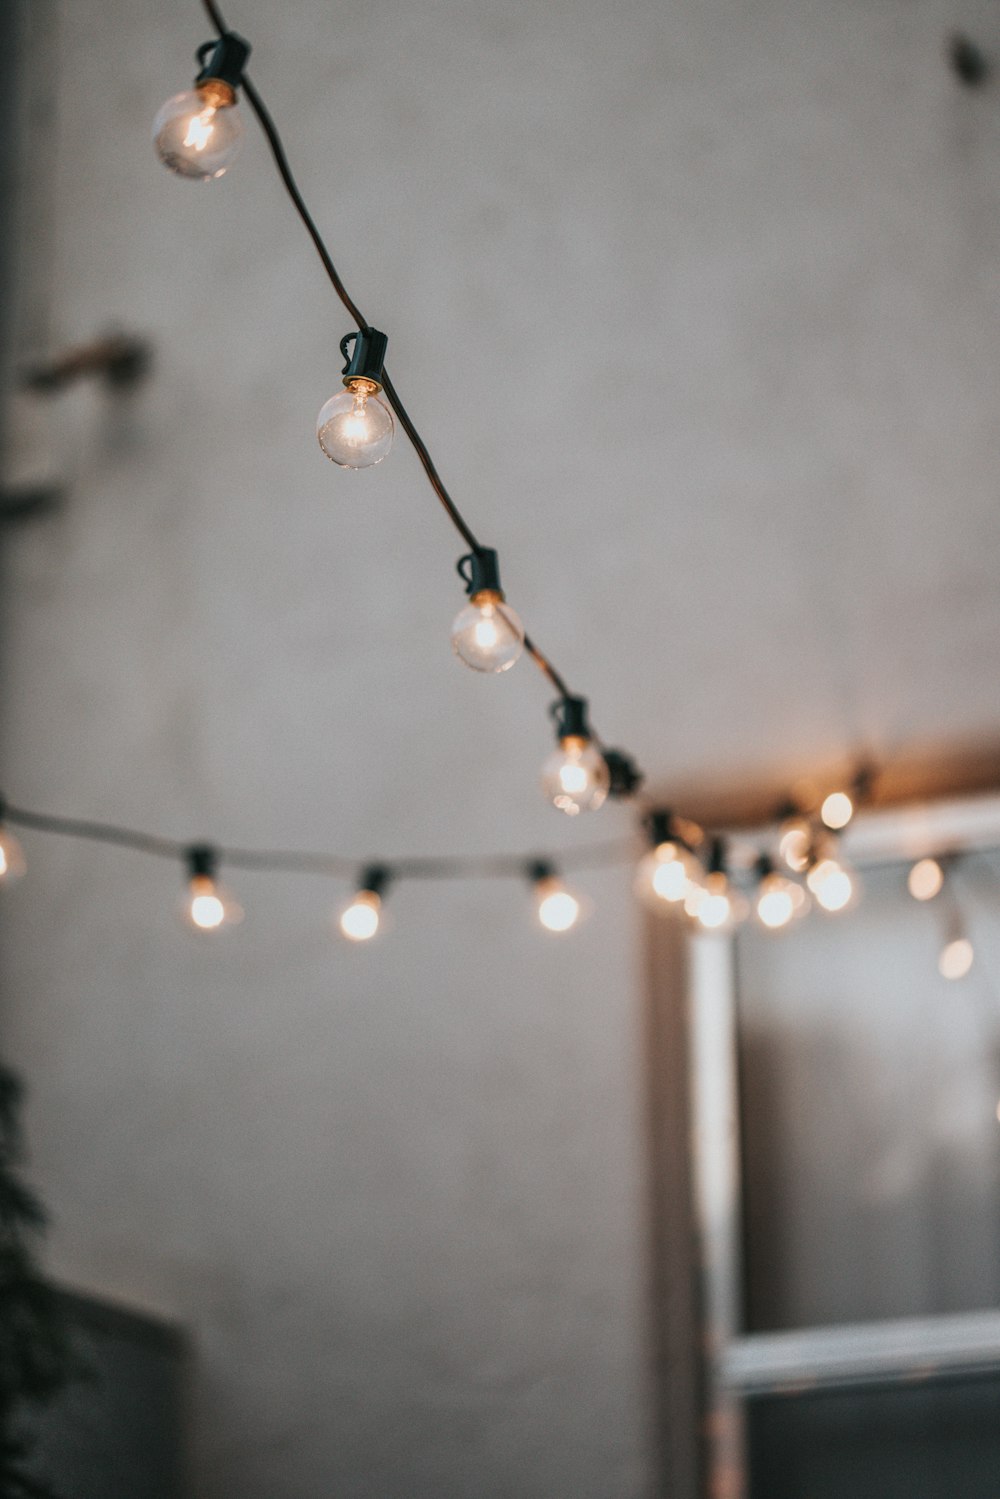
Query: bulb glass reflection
[(794, 843), (558, 910), (198, 134), (12, 865), (360, 920), (574, 777), (956, 958), (666, 876), (925, 879), (355, 428), (487, 634)]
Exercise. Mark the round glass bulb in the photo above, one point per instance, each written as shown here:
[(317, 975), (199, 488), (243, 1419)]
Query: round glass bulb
[(666, 876), (206, 906), (956, 958), (714, 905), (794, 843), (558, 910), (574, 777), (359, 921), (487, 634), (779, 901), (355, 428), (837, 810), (198, 134), (925, 879), (831, 884), (12, 864)]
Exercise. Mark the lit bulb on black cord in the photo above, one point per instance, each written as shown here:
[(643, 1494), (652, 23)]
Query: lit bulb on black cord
[(780, 901), (795, 837), (359, 921), (355, 428), (669, 872), (487, 634), (558, 909), (198, 134), (829, 878), (838, 809), (575, 777), (714, 905), (12, 864), (925, 879), (206, 905)]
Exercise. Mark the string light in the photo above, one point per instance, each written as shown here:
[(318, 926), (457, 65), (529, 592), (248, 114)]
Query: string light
[(558, 909), (575, 777), (957, 957), (831, 882), (487, 634), (355, 428), (837, 810), (198, 134), (669, 872), (779, 900), (12, 861), (359, 921), (795, 838), (206, 905), (925, 879), (715, 905)]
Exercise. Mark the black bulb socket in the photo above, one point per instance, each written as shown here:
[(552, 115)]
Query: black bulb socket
[(764, 867), (480, 572), (541, 869), (366, 359), (223, 61), (570, 717), (625, 777), (374, 880), (660, 828), (716, 857), (202, 861)]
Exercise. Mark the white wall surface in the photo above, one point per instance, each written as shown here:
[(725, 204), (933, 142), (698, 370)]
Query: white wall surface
[(697, 305)]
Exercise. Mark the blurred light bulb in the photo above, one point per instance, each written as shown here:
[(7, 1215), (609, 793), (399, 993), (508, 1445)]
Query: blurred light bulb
[(575, 777), (487, 634), (779, 901), (12, 862), (715, 906), (355, 428), (831, 884), (666, 875), (207, 907), (925, 879), (558, 910), (794, 843), (198, 134), (360, 920), (837, 810), (956, 958)]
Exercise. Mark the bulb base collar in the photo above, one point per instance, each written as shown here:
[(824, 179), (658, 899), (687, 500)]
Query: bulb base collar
[(480, 572), (223, 61), (570, 717), (366, 360), (202, 861), (374, 879)]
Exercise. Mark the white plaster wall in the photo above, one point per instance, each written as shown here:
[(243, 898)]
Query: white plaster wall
[(697, 306)]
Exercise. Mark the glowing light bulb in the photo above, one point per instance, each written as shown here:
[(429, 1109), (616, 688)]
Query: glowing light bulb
[(956, 958), (12, 863), (207, 908), (558, 909), (487, 634), (669, 871), (355, 428), (360, 920), (925, 879), (206, 905), (795, 837), (779, 899), (575, 777), (714, 905), (831, 884), (198, 134), (837, 810)]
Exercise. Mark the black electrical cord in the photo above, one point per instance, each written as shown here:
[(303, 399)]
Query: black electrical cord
[(405, 420), (295, 861)]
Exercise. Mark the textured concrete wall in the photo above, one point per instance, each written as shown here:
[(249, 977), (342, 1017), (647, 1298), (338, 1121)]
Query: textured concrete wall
[(746, 494)]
